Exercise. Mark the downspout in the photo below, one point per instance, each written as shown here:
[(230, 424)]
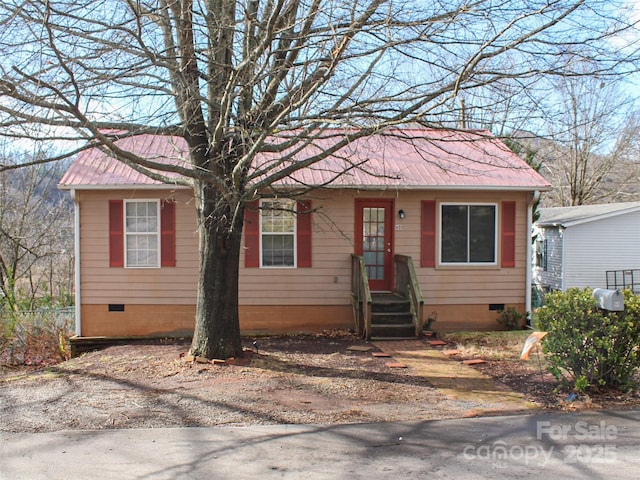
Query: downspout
[(561, 229), (76, 248), (528, 263)]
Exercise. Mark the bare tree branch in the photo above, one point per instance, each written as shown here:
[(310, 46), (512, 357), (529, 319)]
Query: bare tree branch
[(247, 85)]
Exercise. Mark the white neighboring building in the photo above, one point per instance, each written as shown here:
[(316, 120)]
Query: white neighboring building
[(577, 246)]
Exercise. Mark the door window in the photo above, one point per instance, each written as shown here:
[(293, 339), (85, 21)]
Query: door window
[(373, 241)]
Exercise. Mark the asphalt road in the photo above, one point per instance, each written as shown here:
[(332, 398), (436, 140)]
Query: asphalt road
[(601, 445)]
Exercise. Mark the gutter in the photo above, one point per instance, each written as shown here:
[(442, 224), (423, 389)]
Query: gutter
[(129, 186), (76, 248), (413, 188), (529, 267), (350, 186)]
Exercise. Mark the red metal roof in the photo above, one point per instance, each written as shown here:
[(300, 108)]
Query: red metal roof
[(95, 168), (405, 159)]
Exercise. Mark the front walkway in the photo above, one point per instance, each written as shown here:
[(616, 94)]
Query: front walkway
[(454, 378)]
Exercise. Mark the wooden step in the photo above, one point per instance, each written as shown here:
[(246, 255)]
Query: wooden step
[(389, 303), (391, 318), (407, 330)]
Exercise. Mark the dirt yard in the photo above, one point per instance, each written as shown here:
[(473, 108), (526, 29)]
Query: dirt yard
[(328, 378)]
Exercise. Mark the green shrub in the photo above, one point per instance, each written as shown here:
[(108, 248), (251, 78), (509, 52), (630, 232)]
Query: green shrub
[(593, 347), (511, 319)]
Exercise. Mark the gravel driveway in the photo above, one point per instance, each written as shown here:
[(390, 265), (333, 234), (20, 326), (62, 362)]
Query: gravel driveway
[(290, 380)]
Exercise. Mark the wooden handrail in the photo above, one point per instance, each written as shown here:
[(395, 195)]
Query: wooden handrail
[(408, 286), (360, 296)]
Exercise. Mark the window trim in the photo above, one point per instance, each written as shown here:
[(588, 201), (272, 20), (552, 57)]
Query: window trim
[(294, 233), (496, 232), (158, 233)]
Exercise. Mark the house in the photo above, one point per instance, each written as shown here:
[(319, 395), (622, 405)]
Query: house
[(577, 246), (444, 213)]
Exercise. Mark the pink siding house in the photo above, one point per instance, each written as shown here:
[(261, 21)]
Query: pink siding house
[(433, 222)]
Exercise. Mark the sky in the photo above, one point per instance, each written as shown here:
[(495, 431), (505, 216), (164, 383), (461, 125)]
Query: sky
[(633, 86)]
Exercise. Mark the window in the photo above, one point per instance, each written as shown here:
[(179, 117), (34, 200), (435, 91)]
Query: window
[(541, 254), (278, 233), (142, 233), (468, 234), (260, 244), (136, 239)]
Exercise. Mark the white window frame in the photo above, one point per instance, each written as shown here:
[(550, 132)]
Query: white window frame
[(128, 234), (292, 206), (540, 254), (496, 237)]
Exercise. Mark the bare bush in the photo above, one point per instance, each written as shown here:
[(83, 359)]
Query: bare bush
[(36, 337)]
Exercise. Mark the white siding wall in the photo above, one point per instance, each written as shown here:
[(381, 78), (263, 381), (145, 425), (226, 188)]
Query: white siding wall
[(550, 278), (595, 247)]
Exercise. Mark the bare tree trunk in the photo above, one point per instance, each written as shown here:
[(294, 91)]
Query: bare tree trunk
[(217, 326)]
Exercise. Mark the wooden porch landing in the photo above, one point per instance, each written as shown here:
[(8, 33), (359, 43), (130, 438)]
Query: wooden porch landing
[(453, 378)]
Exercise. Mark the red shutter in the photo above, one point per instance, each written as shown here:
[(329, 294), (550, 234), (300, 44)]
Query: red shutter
[(428, 234), (116, 233), (167, 233), (252, 235), (303, 233), (508, 234)]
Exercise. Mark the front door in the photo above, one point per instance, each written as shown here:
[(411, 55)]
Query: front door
[(374, 241)]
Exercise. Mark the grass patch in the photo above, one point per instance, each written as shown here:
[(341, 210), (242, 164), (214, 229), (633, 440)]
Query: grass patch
[(501, 345)]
